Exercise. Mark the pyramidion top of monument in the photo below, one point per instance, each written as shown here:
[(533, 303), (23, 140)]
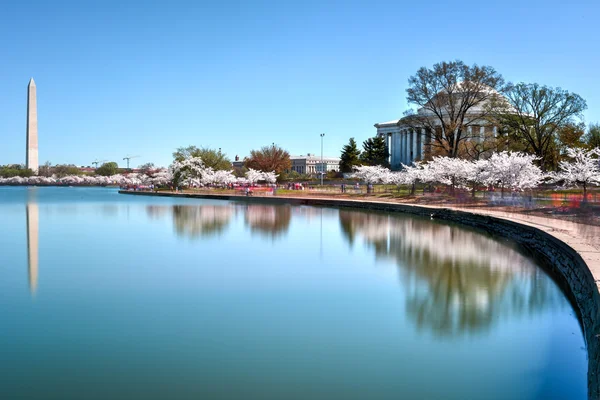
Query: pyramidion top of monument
[(31, 82)]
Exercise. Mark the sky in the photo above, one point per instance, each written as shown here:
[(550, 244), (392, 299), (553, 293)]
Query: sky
[(141, 78)]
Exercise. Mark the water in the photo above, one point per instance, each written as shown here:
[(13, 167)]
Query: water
[(110, 296)]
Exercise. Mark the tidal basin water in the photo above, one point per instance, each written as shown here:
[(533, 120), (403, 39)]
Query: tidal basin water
[(108, 296)]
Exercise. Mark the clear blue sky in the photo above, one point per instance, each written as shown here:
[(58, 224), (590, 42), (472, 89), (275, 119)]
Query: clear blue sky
[(144, 77)]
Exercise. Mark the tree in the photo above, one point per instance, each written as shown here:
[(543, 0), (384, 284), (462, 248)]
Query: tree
[(13, 170), (147, 168), (254, 176), (372, 174), (584, 169), (453, 172), (592, 137), (269, 158), (536, 114), (45, 170), (410, 175), (190, 171), (161, 177), (450, 98), (350, 157), (214, 159), (515, 171), (62, 170), (375, 152), (107, 169)]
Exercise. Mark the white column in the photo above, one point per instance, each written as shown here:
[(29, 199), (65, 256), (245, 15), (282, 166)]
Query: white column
[(414, 147), (393, 150), (399, 147), (408, 145), (407, 152), (389, 143), (403, 146), (423, 138)]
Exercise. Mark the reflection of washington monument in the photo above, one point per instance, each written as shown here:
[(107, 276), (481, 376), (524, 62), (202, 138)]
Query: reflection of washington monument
[(32, 243)]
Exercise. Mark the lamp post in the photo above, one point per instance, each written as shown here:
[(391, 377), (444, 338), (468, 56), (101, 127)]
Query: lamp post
[(322, 166)]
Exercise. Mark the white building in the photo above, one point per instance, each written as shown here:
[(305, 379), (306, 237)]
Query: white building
[(408, 143), (311, 164), (404, 143)]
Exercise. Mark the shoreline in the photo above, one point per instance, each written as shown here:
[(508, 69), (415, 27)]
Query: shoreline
[(569, 250)]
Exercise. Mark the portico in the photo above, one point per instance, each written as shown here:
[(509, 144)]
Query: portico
[(405, 144)]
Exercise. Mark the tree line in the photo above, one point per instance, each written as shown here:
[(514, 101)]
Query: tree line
[(505, 170), (451, 101)]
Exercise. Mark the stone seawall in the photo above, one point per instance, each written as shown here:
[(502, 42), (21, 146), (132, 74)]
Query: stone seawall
[(563, 262)]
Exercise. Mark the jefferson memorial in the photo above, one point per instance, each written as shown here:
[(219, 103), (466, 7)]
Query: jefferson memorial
[(408, 142)]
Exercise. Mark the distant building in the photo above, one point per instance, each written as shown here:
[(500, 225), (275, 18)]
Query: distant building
[(237, 163), (310, 164)]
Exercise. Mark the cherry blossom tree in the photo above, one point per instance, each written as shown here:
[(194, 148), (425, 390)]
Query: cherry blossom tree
[(270, 177), (189, 171), (410, 175), (254, 176), (584, 169), (476, 174), (515, 171), (371, 173), (224, 177), (453, 172), (161, 177)]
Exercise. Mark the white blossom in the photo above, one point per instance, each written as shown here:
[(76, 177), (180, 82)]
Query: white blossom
[(584, 169), (514, 171), (371, 174), (449, 171), (254, 176), (270, 177)]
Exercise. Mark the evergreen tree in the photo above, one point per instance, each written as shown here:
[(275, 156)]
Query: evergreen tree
[(375, 152), (350, 157)]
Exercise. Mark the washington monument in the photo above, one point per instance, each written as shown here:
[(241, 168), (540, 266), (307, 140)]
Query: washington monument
[(32, 128)]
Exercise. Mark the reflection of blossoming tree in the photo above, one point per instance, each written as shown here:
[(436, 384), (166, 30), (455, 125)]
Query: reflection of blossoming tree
[(195, 221), (464, 280), (270, 220)]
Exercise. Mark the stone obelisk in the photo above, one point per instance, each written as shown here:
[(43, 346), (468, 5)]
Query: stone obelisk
[(32, 128)]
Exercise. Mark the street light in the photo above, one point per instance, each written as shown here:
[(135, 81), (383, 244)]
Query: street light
[(322, 167)]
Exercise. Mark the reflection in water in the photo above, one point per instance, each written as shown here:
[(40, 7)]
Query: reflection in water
[(32, 214), (194, 221), (110, 210), (157, 212), (201, 221), (456, 290), (458, 281), (208, 220), (32, 245), (270, 220)]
